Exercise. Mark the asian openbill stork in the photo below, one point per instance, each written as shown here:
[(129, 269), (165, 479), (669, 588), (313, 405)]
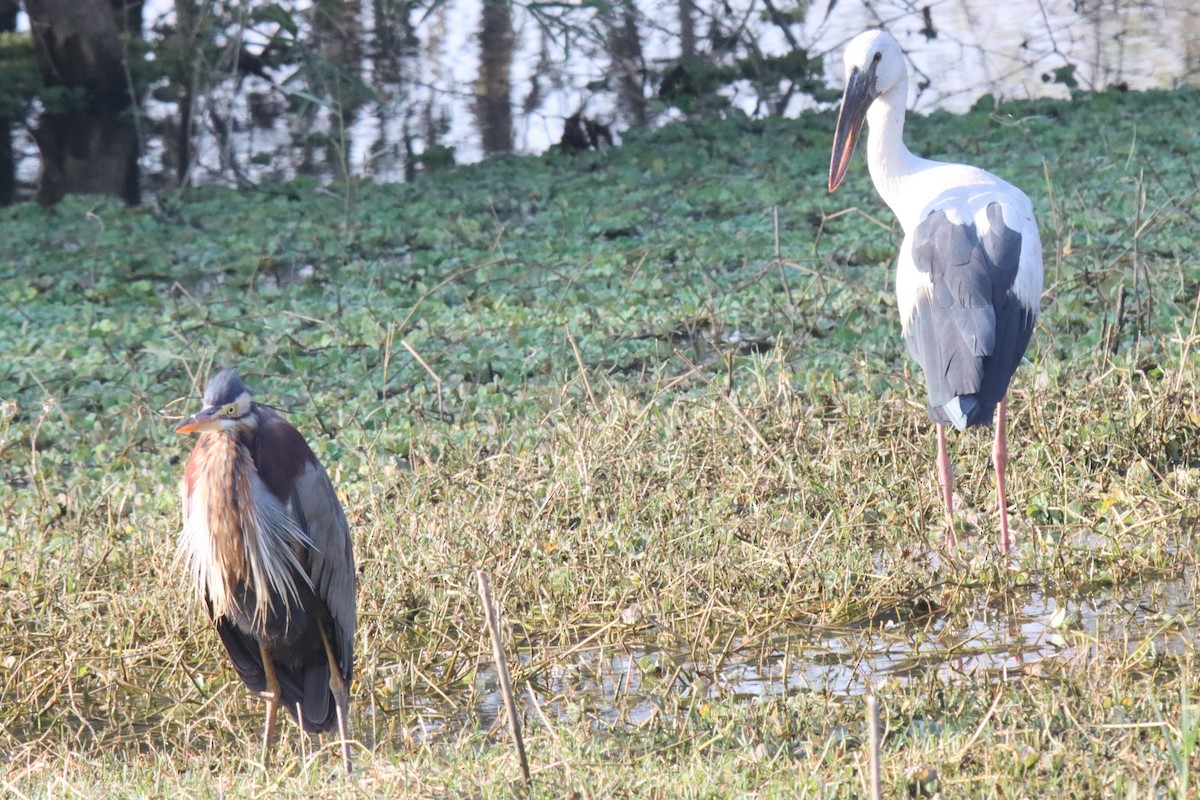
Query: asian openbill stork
[(969, 275), (267, 547)]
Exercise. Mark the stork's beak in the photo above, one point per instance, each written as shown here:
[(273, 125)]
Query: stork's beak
[(859, 94), (198, 422)]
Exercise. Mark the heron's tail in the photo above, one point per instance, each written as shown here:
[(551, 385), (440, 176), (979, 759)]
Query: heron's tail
[(317, 710)]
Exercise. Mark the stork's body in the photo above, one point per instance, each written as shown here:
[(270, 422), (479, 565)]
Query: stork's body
[(268, 550), (969, 272)]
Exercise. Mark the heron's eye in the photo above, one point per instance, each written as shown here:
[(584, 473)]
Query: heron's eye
[(878, 56), (229, 410)]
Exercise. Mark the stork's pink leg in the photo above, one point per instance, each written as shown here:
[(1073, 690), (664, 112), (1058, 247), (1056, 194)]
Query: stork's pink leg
[(1000, 459), (946, 475)]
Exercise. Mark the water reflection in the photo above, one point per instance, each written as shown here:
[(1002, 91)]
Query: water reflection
[(962, 50), (959, 50)]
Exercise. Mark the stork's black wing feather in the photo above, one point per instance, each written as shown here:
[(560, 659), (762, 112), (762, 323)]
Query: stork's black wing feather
[(968, 332)]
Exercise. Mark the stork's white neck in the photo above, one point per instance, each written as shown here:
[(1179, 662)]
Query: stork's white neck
[(890, 160)]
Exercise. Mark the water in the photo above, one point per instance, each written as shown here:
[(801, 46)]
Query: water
[(1038, 634)]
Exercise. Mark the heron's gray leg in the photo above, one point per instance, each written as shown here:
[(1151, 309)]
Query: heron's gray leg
[(271, 694), (946, 475), (341, 696), (1000, 459)]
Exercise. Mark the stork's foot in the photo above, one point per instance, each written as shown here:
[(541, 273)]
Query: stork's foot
[(946, 477)]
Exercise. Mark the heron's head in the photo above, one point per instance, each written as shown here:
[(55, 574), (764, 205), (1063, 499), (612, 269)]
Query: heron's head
[(228, 406), (874, 66)]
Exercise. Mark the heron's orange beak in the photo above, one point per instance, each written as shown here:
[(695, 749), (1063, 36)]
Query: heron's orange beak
[(856, 99), (198, 422)]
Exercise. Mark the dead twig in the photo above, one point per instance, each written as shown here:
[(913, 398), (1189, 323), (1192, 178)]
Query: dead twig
[(436, 378)]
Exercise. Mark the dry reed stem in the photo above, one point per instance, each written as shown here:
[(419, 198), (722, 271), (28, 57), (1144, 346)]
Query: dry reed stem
[(510, 703), (873, 739)]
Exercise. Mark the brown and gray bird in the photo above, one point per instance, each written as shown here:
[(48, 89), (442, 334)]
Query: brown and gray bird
[(267, 547)]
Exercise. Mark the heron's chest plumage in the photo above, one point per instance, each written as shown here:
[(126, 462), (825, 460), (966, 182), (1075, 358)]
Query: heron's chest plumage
[(241, 544), (215, 489)]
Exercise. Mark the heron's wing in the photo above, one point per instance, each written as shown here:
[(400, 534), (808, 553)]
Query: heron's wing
[(331, 558), (243, 653), (968, 330), (291, 471)]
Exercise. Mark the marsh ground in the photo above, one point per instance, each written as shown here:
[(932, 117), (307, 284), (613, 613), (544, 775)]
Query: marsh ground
[(659, 394)]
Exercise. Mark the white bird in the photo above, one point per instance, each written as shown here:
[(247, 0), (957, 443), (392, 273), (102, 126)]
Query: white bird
[(969, 274)]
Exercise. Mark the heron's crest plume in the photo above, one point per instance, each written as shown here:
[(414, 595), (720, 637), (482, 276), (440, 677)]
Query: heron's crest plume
[(224, 387)]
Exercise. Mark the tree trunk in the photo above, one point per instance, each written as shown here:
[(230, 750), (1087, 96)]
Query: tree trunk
[(8, 165), (88, 142), (493, 90)]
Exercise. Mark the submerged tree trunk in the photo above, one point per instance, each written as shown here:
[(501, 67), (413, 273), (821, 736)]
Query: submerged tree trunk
[(8, 164), (88, 138), (338, 28), (185, 51), (625, 49), (394, 37), (396, 47), (687, 29), (493, 92)]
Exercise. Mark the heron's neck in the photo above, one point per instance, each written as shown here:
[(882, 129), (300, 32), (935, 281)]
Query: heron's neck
[(890, 161)]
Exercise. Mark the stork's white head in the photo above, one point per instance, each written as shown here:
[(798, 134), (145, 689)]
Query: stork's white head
[(876, 52), (874, 66)]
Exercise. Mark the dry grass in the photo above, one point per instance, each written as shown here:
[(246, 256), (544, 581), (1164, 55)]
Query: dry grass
[(722, 522)]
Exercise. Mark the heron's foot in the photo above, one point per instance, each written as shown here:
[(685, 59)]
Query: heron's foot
[(272, 694), (341, 696)]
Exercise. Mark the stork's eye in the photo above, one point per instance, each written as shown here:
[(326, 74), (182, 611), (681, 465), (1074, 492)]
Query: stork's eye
[(876, 58), (229, 410)]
